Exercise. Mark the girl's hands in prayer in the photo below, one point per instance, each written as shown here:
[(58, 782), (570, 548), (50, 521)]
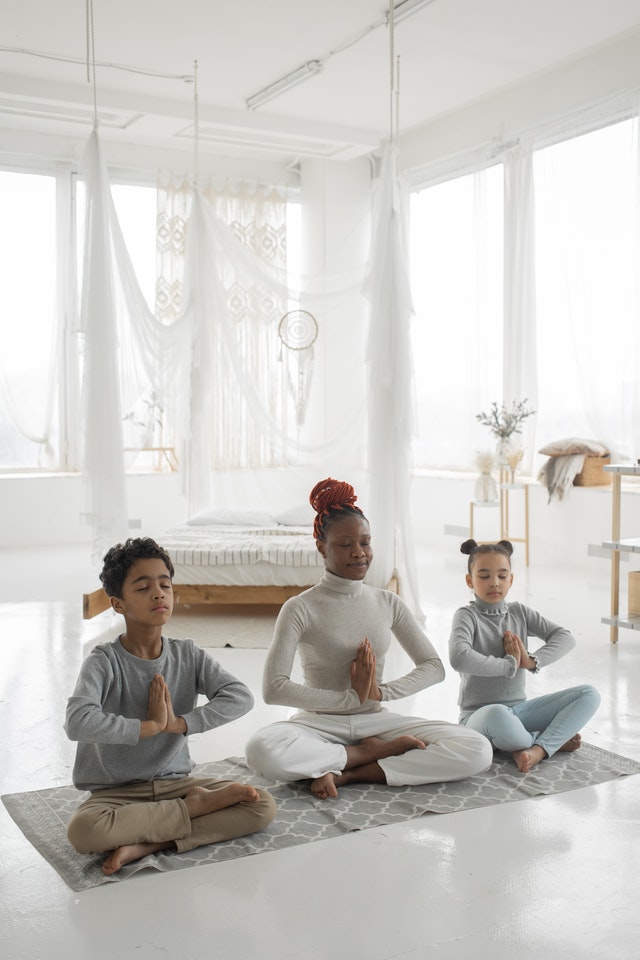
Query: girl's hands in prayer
[(513, 646), (363, 673)]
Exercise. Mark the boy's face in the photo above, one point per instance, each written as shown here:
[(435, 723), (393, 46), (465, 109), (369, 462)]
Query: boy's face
[(147, 594)]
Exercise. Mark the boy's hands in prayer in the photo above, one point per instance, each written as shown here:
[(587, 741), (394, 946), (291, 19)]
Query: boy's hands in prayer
[(160, 714)]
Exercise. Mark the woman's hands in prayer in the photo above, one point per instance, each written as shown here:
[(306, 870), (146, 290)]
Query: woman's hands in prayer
[(363, 673)]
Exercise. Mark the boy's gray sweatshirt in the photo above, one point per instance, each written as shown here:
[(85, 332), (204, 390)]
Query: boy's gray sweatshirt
[(110, 701)]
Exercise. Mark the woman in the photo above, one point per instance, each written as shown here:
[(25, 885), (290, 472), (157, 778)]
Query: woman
[(341, 629)]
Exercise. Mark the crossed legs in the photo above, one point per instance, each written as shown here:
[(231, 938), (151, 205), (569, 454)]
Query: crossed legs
[(138, 819)]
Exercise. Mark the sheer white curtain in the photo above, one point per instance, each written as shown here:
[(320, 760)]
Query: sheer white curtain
[(519, 375), (103, 456), (457, 287), (128, 358), (33, 315), (212, 355), (239, 410), (391, 384), (587, 253), (257, 219)]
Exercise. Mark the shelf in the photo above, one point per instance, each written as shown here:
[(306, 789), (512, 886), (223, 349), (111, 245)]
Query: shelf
[(631, 545), (625, 469), (506, 490), (630, 623), (618, 548)]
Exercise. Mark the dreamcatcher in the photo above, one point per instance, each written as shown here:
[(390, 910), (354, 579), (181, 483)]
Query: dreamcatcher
[(298, 331)]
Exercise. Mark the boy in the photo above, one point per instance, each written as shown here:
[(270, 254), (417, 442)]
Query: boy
[(134, 704)]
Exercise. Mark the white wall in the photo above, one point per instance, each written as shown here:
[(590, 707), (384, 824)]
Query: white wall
[(45, 511), (561, 532)]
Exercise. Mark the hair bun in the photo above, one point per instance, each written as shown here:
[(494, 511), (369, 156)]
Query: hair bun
[(331, 493), (468, 547), (506, 545)]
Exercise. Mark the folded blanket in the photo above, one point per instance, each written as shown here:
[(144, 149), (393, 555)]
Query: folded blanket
[(558, 473)]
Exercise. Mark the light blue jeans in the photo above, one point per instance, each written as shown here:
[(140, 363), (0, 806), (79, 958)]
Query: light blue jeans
[(548, 721)]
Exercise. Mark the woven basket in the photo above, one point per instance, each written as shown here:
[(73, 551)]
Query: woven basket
[(592, 474)]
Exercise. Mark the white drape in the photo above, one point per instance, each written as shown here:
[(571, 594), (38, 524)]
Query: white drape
[(588, 253), (103, 458), (390, 369), (519, 372), (33, 318), (457, 333), (213, 353), (128, 363), (242, 412)]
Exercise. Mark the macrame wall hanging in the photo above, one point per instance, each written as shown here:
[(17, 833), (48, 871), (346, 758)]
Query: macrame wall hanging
[(298, 331)]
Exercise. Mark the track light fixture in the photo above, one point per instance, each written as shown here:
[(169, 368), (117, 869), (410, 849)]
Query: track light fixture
[(401, 10), (285, 83), (405, 8)]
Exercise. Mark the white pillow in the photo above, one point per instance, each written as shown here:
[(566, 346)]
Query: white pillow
[(228, 517), (300, 516), (572, 445)]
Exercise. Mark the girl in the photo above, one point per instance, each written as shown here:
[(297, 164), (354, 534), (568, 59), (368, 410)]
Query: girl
[(489, 648), (341, 628)]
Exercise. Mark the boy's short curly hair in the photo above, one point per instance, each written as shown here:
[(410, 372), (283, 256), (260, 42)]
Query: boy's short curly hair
[(117, 561)]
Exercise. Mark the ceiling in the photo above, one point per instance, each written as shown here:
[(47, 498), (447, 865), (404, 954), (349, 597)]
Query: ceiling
[(451, 53)]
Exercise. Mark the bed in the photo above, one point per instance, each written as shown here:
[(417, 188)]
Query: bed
[(236, 557)]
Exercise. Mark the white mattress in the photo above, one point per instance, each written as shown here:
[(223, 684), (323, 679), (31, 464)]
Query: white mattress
[(243, 556)]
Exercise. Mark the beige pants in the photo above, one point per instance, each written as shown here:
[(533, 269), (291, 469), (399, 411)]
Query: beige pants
[(155, 812)]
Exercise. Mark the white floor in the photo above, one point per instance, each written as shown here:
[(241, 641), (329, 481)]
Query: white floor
[(549, 878)]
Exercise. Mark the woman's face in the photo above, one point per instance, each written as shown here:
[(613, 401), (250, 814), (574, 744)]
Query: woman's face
[(347, 550), (490, 577)]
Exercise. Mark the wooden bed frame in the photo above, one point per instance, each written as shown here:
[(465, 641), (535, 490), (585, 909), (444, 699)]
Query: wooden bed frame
[(97, 601)]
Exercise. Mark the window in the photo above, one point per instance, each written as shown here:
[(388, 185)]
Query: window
[(587, 257), (29, 412), (456, 271), (585, 301)]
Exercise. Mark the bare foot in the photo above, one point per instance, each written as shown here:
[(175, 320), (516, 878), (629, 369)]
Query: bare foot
[(375, 748), (324, 788), (525, 760), (200, 800), (130, 852), (573, 744), (362, 764)]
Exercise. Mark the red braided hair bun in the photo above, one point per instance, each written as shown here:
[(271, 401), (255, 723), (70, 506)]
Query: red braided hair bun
[(329, 497)]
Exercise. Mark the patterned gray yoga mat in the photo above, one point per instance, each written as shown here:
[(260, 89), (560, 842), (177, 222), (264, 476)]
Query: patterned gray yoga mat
[(42, 815)]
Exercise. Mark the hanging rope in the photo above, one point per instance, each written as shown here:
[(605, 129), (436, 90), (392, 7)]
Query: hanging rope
[(196, 126), (91, 60), (392, 40)]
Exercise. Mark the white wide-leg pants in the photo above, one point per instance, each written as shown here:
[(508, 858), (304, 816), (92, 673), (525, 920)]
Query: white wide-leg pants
[(310, 744)]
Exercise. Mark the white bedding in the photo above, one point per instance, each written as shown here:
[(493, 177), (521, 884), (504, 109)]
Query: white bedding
[(241, 556)]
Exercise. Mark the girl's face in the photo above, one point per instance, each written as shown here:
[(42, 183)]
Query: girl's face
[(490, 577), (347, 550)]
